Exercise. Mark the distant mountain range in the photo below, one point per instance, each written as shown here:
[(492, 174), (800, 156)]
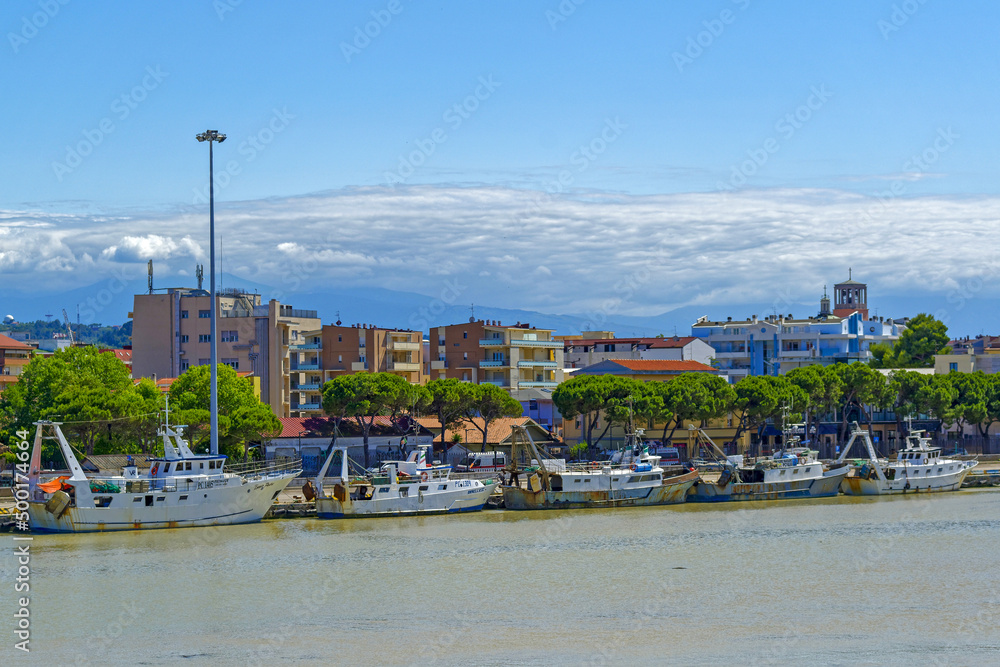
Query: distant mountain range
[(110, 302)]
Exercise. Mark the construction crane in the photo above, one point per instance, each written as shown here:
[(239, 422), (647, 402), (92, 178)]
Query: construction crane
[(68, 328)]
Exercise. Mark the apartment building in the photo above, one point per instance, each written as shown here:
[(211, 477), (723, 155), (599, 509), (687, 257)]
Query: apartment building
[(778, 343), (365, 347), (14, 356), (512, 357), (170, 333), (583, 352)]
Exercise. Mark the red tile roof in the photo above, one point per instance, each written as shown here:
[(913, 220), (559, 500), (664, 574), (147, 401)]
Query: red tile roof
[(8, 343)]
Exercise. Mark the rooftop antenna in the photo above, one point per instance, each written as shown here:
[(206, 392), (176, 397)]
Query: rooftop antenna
[(849, 273), (149, 277), (199, 272), (338, 318)]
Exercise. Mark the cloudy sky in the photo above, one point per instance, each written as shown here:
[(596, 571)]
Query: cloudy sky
[(542, 155)]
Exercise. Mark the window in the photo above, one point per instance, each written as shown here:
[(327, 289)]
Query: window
[(230, 336), (184, 338), (424, 488), (953, 366), (204, 338), (442, 487), (204, 314), (184, 365), (184, 314), (340, 339), (465, 334), (340, 358), (232, 363), (465, 355)]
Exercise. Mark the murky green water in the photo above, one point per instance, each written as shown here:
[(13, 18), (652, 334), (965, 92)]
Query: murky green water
[(899, 580)]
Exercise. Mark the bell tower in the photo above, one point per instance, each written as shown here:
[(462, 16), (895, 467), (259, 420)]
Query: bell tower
[(824, 304), (850, 296)]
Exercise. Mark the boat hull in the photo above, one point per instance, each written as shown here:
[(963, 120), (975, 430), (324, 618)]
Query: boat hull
[(452, 501), (818, 487), (859, 486), (673, 491), (247, 502)]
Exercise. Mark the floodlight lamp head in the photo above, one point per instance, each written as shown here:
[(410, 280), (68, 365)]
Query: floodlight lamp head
[(200, 137)]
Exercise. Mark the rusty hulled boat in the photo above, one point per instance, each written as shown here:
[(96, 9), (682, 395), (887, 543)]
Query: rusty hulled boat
[(636, 480)]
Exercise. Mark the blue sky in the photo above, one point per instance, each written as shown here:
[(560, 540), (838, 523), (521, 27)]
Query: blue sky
[(867, 105)]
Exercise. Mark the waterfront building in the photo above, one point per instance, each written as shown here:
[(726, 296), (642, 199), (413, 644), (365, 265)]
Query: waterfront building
[(366, 348), (512, 357), (778, 343), (124, 355), (537, 404), (645, 370), (14, 356), (582, 352), (170, 333)]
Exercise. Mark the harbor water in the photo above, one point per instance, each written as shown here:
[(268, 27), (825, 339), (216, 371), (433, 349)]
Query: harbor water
[(898, 580)]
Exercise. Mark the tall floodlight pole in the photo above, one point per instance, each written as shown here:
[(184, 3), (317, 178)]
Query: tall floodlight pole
[(212, 136)]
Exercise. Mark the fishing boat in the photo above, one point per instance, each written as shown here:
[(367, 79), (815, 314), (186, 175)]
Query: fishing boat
[(792, 472), (398, 488), (180, 489), (634, 479), (918, 468)]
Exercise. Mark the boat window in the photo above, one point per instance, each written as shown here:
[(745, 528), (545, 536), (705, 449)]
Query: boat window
[(383, 489), (149, 501), (160, 499), (614, 479), (137, 499), (188, 465), (102, 501), (442, 487), (808, 469), (587, 480), (634, 478), (201, 465), (424, 488), (577, 480), (795, 472), (940, 469), (782, 473), (184, 497)]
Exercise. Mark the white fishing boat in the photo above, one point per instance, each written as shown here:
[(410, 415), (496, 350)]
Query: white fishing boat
[(399, 488), (180, 490), (793, 472), (635, 479), (918, 468)]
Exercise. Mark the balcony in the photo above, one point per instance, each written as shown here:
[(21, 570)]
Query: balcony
[(535, 383), (305, 367), (731, 355), (493, 342), (499, 383), (305, 346), (305, 387), (403, 366), (536, 364), (359, 366), (494, 363), (550, 344), (796, 354), (405, 345), (439, 365), (310, 407)]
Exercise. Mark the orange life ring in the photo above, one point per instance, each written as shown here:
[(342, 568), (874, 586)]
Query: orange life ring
[(423, 477), (152, 473), (631, 467)]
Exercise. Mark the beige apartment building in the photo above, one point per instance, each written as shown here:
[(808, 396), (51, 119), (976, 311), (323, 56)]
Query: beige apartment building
[(512, 357), (170, 333), (364, 347)]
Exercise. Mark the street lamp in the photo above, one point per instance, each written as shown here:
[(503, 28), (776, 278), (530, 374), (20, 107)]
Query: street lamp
[(212, 136)]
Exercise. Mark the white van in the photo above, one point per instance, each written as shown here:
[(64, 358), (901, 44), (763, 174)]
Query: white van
[(482, 462)]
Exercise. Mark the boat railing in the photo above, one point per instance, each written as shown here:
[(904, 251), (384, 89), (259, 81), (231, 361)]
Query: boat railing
[(259, 469)]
